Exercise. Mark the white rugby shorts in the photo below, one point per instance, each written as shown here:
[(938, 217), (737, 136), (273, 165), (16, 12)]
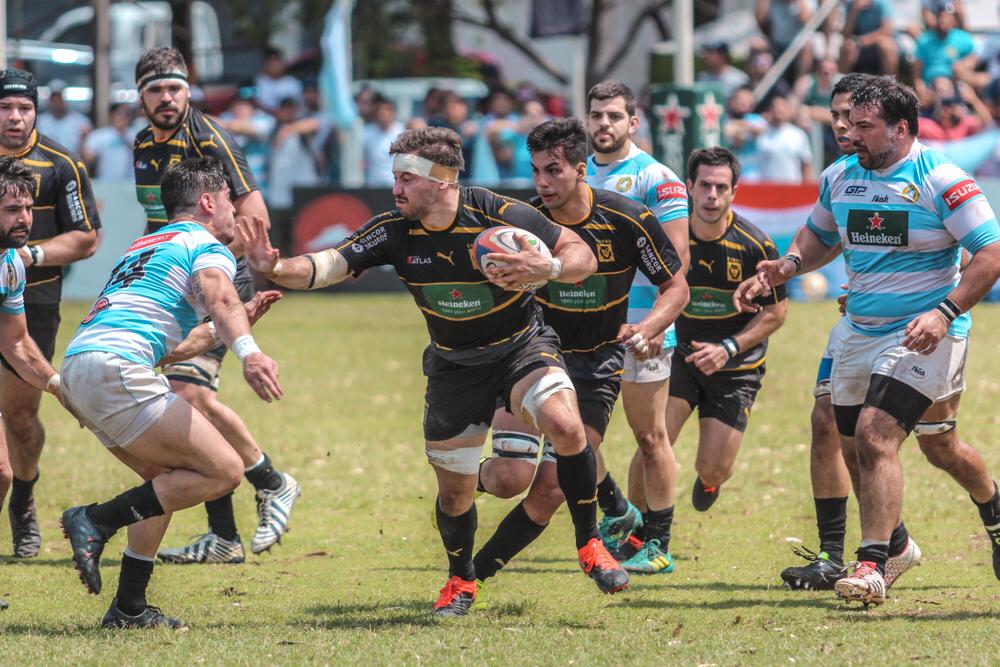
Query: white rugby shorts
[(656, 369)]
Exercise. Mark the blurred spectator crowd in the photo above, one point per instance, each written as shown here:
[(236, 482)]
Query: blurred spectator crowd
[(781, 135)]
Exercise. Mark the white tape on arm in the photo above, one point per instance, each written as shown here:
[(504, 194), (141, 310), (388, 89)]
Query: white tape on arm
[(244, 346), (331, 267)]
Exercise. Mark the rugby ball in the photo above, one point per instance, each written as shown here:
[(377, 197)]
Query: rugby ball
[(503, 240)]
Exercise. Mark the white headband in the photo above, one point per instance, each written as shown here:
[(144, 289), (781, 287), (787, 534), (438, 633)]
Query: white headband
[(175, 77), (421, 166)]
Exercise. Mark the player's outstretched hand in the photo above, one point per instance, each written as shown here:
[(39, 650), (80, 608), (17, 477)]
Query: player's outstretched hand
[(256, 244), (925, 332), (527, 266), (707, 357), (261, 302), (261, 373)]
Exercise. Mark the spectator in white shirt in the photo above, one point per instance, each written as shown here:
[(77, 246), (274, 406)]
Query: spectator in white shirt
[(274, 84), (376, 138), (60, 123), (108, 150), (785, 155)]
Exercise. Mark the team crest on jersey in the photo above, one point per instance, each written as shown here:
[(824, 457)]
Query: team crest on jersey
[(605, 251), (878, 228), (910, 193), (174, 159), (624, 184), (734, 270), (11, 277)]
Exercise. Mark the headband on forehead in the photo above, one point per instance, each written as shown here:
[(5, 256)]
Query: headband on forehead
[(162, 76), (421, 166)]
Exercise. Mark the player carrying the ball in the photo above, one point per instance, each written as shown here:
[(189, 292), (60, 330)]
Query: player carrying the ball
[(487, 338), (591, 320)]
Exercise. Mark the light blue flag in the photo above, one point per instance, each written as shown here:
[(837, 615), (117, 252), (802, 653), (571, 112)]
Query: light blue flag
[(969, 153), (336, 74)]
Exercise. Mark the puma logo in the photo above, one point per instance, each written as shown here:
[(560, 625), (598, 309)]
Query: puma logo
[(549, 355), (210, 142), (156, 164), (587, 502), (448, 258), (707, 265), (456, 553)]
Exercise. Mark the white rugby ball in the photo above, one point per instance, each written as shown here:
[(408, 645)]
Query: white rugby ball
[(504, 240)]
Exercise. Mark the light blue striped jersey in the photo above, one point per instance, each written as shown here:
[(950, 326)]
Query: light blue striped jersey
[(147, 308), (11, 283), (901, 230), (639, 176)]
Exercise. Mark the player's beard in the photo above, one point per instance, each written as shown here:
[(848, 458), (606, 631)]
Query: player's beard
[(7, 240), (178, 118), (616, 146), (883, 158)]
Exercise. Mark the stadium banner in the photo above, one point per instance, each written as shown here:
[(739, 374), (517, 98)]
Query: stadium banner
[(685, 118)]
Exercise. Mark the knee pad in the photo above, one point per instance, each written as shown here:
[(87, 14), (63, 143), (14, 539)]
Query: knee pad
[(821, 389), (516, 445), (935, 428), (543, 390), (464, 460)]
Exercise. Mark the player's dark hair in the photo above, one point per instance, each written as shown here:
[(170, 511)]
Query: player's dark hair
[(161, 60), (438, 144), (184, 183), (716, 156), (15, 178), (850, 83), (566, 134), (610, 89), (892, 100)]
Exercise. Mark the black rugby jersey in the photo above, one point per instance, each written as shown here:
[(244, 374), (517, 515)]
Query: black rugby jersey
[(624, 235), (199, 135), (64, 202), (717, 268), (470, 320)]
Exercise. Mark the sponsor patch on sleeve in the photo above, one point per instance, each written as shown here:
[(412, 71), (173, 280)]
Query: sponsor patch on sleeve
[(960, 193), (670, 191)]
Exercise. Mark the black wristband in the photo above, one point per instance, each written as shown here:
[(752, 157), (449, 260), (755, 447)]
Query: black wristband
[(731, 347), (312, 276), (951, 307), (792, 257)]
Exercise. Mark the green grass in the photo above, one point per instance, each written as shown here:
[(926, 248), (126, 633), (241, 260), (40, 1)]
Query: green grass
[(355, 578)]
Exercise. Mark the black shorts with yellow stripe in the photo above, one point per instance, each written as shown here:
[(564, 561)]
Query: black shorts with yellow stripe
[(725, 395), (461, 400), (597, 378)]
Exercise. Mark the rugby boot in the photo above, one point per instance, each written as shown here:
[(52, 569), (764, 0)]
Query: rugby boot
[(598, 564), (24, 531), (456, 598), (274, 510), (87, 540), (207, 548), (615, 530), (702, 497), (820, 574), (629, 548), (994, 535), (151, 617), (896, 565), (650, 559), (863, 585)]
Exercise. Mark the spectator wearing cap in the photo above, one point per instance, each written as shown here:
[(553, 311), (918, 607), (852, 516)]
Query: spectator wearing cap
[(61, 123), (273, 84), (376, 138), (785, 155), (107, 151), (869, 45), (781, 21), (952, 118), (719, 70), (940, 49)]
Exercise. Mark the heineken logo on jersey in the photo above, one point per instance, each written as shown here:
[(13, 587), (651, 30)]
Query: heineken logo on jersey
[(458, 301), (587, 295), (878, 228), (149, 198), (710, 303)]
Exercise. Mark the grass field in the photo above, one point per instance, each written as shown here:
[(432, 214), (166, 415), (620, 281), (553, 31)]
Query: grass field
[(355, 578)]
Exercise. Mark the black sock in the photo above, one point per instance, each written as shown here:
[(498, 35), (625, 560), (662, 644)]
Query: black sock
[(264, 476), (132, 584), (831, 520), (458, 534), (578, 480), (657, 525), (899, 539), (610, 497), (514, 533), (877, 553), (221, 518), (640, 532), (136, 504), (21, 494), (988, 511)]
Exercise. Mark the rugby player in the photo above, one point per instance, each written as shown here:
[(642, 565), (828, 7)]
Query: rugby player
[(902, 213), (720, 350), (177, 132), (619, 165), (831, 478), (487, 338), (17, 185), (64, 231), (590, 318), (165, 283)]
